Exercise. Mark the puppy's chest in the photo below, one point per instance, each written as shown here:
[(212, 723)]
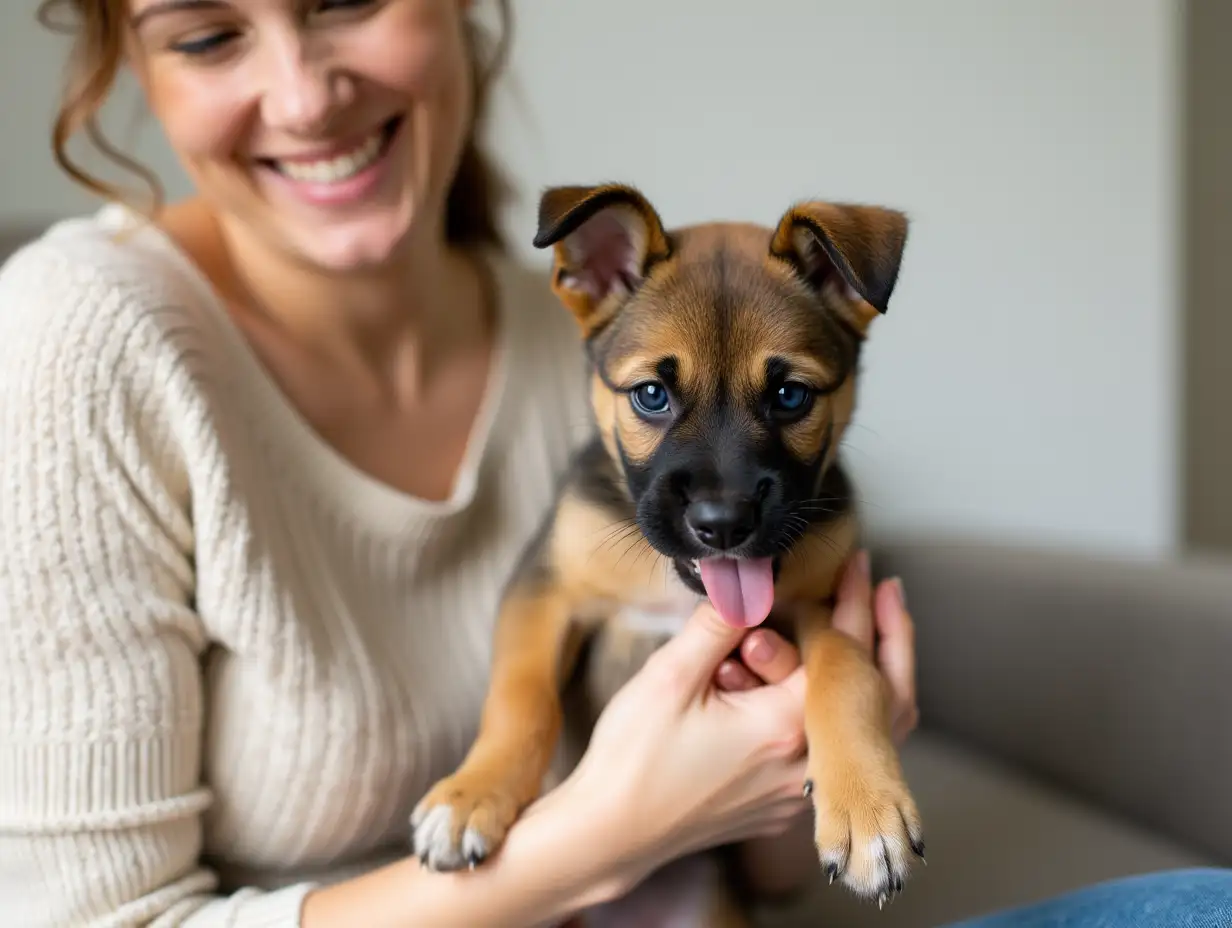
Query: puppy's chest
[(656, 612)]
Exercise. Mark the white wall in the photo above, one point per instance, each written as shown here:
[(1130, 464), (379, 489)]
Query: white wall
[(1023, 384), (32, 189)]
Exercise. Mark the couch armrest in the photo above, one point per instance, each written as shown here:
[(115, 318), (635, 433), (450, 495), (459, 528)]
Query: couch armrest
[(1111, 678)]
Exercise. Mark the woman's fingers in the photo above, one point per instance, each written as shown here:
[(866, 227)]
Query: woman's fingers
[(689, 661), (853, 611), (876, 617), (765, 657), (769, 656), (734, 677), (896, 653), (879, 620)]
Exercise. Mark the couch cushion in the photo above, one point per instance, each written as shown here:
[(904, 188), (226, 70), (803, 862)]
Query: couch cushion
[(1106, 676), (994, 838)]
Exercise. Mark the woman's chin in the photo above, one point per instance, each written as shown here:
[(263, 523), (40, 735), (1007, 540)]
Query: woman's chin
[(355, 245)]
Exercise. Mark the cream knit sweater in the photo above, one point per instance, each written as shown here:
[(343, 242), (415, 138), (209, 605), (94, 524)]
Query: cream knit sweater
[(230, 662)]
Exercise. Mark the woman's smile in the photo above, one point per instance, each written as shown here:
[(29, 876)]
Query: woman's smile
[(338, 175)]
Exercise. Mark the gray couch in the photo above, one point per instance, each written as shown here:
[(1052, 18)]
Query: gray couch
[(1075, 727)]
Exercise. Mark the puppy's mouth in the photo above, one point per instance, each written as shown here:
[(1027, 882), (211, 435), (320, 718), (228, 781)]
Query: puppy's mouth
[(740, 589)]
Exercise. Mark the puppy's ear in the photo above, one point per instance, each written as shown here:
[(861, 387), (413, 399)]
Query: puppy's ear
[(854, 249), (606, 238)]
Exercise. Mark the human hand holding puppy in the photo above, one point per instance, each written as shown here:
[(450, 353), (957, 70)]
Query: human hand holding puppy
[(702, 749), (875, 617), (675, 765)]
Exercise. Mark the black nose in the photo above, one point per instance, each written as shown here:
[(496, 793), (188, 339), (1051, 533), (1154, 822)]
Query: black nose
[(721, 525)]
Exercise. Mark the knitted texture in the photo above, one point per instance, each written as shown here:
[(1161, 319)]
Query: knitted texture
[(230, 662)]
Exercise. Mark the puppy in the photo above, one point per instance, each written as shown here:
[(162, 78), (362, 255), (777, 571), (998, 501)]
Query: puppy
[(724, 364)]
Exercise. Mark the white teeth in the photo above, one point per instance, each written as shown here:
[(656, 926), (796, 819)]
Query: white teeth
[(337, 169)]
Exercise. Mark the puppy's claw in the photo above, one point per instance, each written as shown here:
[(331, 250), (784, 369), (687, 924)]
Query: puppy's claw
[(482, 820), (808, 788), (865, 836), (918, 848)]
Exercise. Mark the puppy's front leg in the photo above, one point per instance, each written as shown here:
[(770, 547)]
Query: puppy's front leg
[(464, 818), (867, 826)]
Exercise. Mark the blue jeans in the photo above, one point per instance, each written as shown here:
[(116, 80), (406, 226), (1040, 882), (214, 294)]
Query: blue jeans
[(1196, 898)]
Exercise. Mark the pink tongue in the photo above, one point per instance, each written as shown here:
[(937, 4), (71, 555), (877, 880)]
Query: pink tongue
[(741, 590)]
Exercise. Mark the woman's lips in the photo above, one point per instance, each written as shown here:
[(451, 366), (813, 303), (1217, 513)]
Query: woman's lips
[(339, 178)]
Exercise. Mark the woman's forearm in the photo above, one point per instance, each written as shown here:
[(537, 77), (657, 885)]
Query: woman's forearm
[(554, 862)]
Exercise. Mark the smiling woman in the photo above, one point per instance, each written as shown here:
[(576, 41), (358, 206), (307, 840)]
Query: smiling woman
[(200, 34), (270, 454)]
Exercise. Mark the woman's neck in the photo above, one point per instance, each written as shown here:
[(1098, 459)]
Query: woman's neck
[(421, 309)]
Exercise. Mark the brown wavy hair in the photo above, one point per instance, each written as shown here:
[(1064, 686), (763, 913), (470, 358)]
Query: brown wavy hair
[(98, 27)]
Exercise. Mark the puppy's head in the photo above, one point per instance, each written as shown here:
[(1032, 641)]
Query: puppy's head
[(725, 360)]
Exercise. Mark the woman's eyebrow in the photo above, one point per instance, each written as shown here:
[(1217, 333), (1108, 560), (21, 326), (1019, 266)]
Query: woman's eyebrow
[(173, 6)]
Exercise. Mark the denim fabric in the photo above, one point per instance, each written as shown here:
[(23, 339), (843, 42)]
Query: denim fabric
[(1194, 898)]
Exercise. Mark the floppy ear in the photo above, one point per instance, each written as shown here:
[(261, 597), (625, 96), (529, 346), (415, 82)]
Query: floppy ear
[(854, 248), (606, 239)]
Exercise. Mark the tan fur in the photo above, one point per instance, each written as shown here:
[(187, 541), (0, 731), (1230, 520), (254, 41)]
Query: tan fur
[(598, 563), (590, 563), (604, 403)]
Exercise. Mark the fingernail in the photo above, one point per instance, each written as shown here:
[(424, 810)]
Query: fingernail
[(902, 593), (762, 649)]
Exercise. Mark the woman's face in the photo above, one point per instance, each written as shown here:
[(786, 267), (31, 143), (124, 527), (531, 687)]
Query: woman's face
[(328, 129)]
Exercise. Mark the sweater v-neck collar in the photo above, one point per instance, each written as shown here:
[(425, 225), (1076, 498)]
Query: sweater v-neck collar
[(375, 503)]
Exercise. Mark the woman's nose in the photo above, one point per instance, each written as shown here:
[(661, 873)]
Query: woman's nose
[(303, 91)]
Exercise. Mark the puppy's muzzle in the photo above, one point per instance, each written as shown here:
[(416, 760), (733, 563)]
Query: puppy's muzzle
[(722, 525)]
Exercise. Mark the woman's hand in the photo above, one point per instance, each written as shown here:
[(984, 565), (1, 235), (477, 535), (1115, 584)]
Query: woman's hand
[(878, 619), (676, 765)]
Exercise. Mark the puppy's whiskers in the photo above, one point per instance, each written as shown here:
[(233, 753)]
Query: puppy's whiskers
[(616, 533)]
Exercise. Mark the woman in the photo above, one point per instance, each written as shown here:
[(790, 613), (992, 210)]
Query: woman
[(267, 462), (275, 454)]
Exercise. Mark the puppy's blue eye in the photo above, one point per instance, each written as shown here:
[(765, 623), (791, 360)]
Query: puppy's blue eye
[(650, 398), (791, 399)]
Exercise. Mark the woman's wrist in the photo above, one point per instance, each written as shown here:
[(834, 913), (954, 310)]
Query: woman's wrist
[(556, 861), (574, 829)]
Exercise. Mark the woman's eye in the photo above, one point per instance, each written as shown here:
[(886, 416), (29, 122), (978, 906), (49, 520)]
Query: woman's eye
[(650, 398), (791, 400), (205, 44), (212, 42)]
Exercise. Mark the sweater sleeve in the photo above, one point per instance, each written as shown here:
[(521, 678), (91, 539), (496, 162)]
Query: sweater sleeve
[(101, 701)]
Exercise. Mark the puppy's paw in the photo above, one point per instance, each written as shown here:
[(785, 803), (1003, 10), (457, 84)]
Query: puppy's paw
[(461, 822), (866, 827)]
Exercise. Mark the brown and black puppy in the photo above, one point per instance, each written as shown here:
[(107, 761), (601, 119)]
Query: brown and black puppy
[(724, 360)]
